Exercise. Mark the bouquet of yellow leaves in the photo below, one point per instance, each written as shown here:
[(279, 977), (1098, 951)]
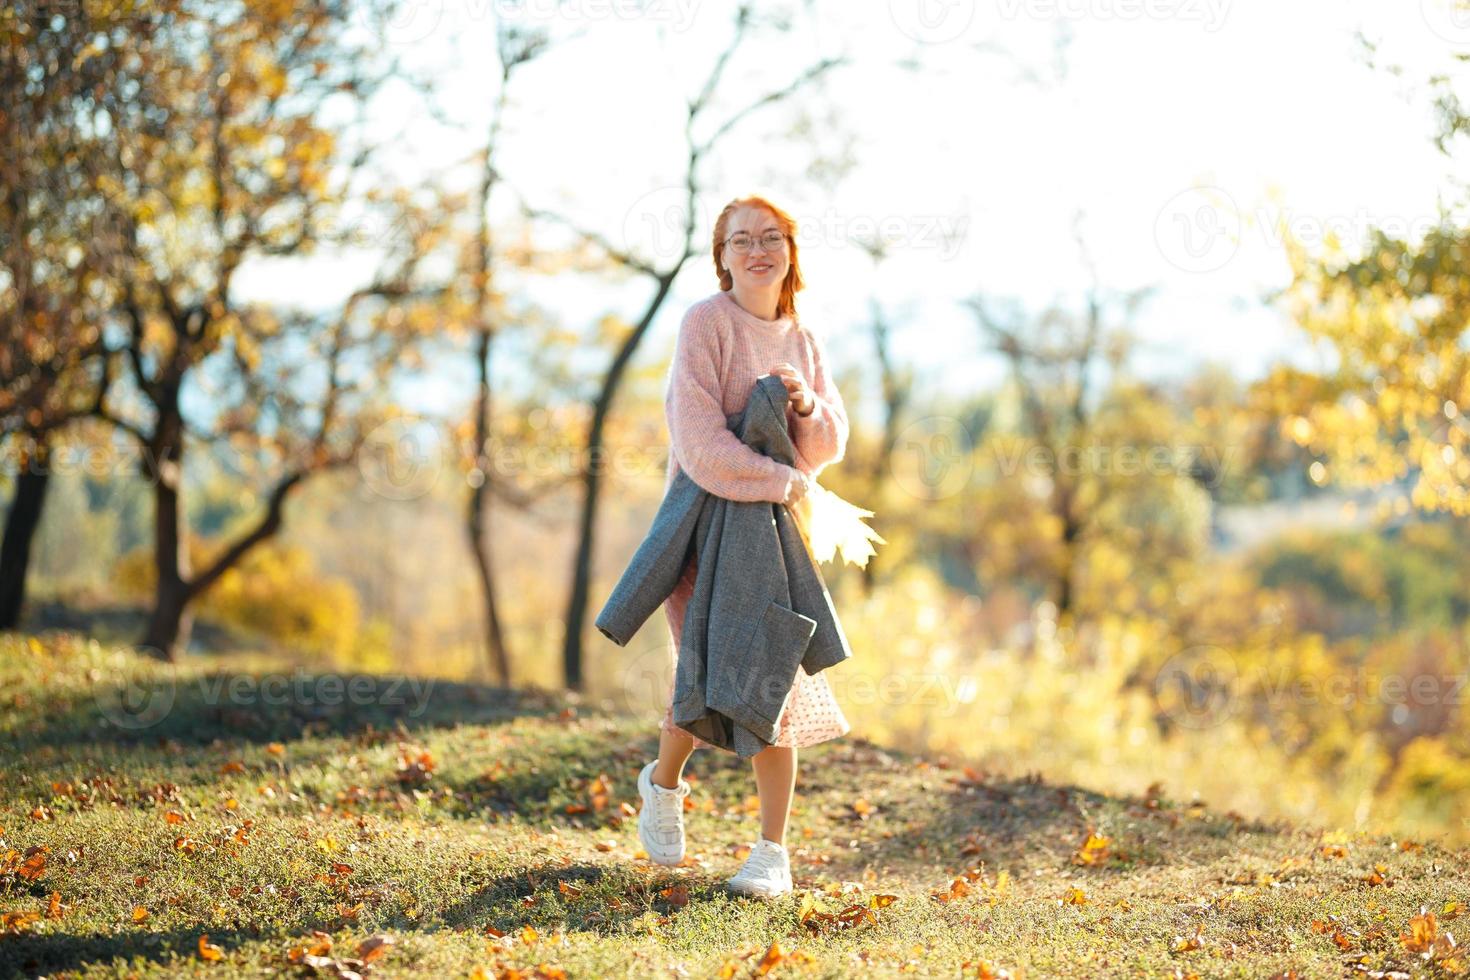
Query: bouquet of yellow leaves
[(829, 524)]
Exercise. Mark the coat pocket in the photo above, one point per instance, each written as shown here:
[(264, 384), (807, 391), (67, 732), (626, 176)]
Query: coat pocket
[(772, 657)]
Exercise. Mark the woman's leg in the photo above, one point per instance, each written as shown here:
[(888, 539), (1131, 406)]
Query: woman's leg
[(674, 744), (674, 748), (775, 781)]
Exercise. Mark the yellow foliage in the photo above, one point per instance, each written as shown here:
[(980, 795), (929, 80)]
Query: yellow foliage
[(275, 591)]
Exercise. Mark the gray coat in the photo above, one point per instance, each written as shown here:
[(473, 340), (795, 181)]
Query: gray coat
[(760, 609)]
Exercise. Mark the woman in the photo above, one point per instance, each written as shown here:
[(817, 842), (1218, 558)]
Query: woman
[(726, 341)]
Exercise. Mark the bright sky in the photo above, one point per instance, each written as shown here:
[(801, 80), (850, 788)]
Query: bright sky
[(1181, 128)]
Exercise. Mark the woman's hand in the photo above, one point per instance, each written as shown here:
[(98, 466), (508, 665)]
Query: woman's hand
[(803, 399), (798, 489)]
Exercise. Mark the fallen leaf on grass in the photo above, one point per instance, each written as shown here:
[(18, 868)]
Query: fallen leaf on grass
[(374, 946), (817, 915), (321, 945), (769, 961), (34, 865), (599, 792), (1434, 945), (209, 951), (772, 957), (958, 888), (974, 843), (317, 955), (14, 923), (1093, 850), (1188, 944), (415, 765), (963, 885)]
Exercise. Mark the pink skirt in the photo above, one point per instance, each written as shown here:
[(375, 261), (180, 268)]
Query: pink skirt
[(811, 713)]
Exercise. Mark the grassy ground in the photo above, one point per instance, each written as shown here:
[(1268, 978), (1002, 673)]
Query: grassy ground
[(468, 831)]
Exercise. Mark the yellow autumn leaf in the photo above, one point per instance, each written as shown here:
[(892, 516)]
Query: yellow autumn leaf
[(830, 525)]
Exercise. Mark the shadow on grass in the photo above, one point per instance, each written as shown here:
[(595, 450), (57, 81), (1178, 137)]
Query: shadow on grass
[(157, 705), (596, 898), (533, 897), (40, 954), (123, 624), (946, 822)]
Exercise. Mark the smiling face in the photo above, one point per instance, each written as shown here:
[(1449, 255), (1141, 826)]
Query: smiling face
[(758, 269)]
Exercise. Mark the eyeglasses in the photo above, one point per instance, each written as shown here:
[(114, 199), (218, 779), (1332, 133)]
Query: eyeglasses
[(742, 242)]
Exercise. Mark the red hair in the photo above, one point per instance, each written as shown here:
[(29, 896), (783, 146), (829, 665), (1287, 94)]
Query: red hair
[(786, 301)]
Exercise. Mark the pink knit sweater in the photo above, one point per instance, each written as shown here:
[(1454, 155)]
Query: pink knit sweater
[(720, 352)]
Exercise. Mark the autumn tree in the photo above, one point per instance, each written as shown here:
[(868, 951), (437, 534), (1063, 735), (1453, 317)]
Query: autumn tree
[(515, 47), (1394, 315), (222, 153), (53, 371), (1056, 364)]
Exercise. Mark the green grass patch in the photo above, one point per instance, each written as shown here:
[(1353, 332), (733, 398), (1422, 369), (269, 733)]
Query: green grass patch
[(462, 828)]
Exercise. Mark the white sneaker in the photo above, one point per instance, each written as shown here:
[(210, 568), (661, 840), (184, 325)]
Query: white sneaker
[(661, 818), (766, 872)]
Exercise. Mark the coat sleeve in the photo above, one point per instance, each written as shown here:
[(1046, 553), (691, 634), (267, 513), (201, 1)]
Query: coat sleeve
[(702, 445), (821, 437)]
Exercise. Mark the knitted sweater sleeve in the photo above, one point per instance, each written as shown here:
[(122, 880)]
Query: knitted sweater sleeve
[(702, 445), (821, 437)]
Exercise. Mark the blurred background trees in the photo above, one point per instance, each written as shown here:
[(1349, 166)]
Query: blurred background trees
[(1249, 585)]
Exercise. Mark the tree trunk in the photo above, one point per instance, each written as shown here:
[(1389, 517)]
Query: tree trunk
[(476, 519), (170, 621), (592, 485), (1066, 584), (20, 528), (582, 566)]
